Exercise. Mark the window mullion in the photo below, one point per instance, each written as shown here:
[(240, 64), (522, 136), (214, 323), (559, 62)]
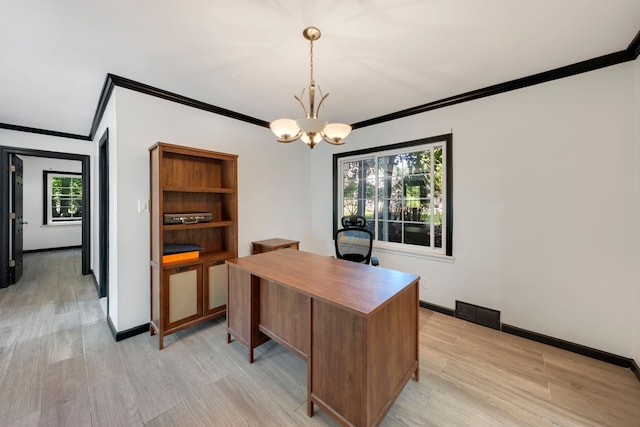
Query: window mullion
[(376, 196), (432, 210)]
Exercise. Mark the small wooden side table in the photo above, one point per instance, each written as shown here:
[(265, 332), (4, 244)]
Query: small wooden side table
[(273, 245)]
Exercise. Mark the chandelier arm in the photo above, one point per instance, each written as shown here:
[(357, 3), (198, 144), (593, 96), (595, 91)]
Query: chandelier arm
[(291, 139), (321, 101), (301, 103), (325, 138)]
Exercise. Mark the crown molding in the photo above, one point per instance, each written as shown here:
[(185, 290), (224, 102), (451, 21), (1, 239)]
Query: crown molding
[(174, 97), (105, 96), (629, 54), (44, 132), (634, 47), (113, 80)]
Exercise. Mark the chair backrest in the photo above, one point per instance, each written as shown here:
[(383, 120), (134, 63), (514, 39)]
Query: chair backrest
[(354, 244), (353, 221)]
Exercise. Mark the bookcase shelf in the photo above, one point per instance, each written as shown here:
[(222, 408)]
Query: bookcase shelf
[(200, 225)]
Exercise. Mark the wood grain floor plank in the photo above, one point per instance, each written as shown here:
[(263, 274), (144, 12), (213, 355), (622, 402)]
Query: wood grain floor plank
[(113, 403), (138, 354), (64, 295), (96, 336), (66, 343), (154, 391), (250, 404), (177, 416), (6, 353), (601, 409), (90, 311), (207, 349), (411, 407), (210, 403), (525, 405), (65, 395), (30, 420), (103, 365), (21, 385), (181, 367)]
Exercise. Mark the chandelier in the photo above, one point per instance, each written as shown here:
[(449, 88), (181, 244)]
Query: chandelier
[(310, 129)]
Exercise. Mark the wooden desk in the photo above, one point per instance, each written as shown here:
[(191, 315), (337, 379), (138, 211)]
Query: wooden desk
[(273, 245), (355, 325)]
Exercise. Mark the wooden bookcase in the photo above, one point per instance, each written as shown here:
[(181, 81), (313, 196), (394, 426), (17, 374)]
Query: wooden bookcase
[(189, 180)]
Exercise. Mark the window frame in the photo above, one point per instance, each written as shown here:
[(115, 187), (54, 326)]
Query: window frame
[(447, 142), (47, 196)]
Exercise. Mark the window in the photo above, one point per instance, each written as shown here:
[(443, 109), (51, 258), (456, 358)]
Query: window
[(62, 197), (403, 190)]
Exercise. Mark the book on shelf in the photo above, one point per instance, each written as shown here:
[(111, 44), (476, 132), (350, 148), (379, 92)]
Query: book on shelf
[(180, 252)]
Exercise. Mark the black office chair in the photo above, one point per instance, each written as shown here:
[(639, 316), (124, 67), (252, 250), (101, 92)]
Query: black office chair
[(354, 244), (353, 221)]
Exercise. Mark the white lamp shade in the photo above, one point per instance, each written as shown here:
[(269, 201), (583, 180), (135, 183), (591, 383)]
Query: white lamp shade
[(337, 131), (310, 125), (284, 129)]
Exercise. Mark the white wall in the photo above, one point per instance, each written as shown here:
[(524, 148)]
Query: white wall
[(273, 193), (37, 235), (544, 197)]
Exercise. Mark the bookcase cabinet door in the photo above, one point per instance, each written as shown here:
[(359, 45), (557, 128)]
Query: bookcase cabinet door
[(183, 286), (215, 287)]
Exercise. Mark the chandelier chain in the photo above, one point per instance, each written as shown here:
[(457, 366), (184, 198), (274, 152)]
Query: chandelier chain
[(311, 62)]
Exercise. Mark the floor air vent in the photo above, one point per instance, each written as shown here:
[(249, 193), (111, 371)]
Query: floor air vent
[(476, 314)]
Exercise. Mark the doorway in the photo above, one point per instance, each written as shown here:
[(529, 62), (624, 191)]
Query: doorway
[(103, 215), (16, 221), (6, 251)]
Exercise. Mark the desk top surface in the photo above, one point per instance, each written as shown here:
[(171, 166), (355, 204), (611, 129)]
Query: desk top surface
[(358, 287), (274, 242)]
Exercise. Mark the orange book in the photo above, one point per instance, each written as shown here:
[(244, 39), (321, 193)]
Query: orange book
[(182, 256)]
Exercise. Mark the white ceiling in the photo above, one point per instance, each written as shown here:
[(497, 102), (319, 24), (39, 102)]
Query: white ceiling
[(374, 57)]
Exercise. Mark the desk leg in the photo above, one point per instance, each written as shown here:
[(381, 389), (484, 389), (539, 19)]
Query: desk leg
[(309, 343), (243, 309)]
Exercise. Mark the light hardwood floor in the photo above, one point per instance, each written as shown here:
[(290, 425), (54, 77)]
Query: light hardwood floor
[(59, 366)]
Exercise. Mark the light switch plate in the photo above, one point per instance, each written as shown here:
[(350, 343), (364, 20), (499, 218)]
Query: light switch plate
[(143, 206)]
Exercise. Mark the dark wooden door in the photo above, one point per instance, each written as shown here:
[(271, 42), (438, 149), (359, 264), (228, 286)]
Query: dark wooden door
[(103, 216), (17, 220)]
